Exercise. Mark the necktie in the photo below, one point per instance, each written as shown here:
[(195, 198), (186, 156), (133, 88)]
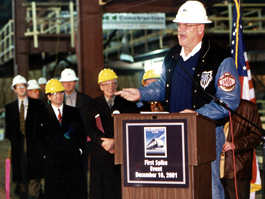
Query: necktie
[(69, 100), (59, 116), (110, 103), (21, 118)]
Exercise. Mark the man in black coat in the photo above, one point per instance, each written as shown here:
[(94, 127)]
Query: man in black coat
[(105, 175), (65, 147), (24, 123)]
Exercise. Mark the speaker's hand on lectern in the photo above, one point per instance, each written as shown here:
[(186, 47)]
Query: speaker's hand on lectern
[(130, 94), (188, 111)]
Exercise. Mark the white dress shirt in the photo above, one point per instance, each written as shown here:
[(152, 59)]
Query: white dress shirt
[(55, 109), (193, 52)]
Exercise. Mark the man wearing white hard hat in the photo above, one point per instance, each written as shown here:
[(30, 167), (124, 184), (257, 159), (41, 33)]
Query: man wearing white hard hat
[(42, 83), (23, 128), (33, 89), (72, 96), (76, 99), (195, 67)]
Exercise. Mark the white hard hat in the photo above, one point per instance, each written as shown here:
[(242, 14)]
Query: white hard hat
[(33, 84), (18, 79), (192, 12), (42, 80), (68, 75)]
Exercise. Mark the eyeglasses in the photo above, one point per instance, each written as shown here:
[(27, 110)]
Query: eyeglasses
[(57, 93), (21, 86), (186, 25), (109, 84)]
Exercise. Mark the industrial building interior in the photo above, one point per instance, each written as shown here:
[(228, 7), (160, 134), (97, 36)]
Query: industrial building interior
[(47, 41)]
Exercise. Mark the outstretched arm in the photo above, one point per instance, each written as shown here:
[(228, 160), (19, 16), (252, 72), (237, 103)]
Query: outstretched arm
[(130, 94)]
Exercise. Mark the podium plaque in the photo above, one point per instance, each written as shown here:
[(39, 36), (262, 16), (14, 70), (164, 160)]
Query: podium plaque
[(155, 153)]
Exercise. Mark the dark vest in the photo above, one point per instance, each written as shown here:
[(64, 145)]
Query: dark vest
[(209, 60)]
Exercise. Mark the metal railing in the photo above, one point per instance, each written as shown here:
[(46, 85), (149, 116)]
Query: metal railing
[(7, 42), (43, 19)]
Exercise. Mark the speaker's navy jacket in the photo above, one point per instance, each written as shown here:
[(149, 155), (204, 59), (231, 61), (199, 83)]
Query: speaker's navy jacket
[(211, 59)]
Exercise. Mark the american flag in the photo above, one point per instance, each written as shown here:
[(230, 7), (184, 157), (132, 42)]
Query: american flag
[(240, 56), (247, 89)]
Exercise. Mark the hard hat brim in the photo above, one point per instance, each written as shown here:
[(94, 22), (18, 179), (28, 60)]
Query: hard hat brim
[(32, 88), (192, 21), (68, 80), (51, 91)]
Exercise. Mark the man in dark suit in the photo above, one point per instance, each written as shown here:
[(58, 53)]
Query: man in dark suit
[(42, 83), (24, 123), (105, 175), (74, 98), (83, 102), (65, 141)]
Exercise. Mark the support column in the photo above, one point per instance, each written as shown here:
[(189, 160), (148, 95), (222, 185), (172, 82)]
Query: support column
[(21, 57), (89, 48)]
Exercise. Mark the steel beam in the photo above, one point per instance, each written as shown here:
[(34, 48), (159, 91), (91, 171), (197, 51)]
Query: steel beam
[(89, 48), (21, 58)]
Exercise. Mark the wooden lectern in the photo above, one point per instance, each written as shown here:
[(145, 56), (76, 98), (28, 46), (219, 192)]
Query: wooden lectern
[(200, 134)]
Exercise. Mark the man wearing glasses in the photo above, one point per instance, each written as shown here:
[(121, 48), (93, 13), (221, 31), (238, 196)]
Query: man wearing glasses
[(24, 123), (105, 176), (190, 70)]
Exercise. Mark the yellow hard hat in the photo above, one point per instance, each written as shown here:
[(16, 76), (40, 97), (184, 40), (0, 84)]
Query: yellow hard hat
[(150, 74), (106, 74), (54, 86)]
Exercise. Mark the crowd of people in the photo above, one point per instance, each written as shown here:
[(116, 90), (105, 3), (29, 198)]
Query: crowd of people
[(53, 136), (54, 129)]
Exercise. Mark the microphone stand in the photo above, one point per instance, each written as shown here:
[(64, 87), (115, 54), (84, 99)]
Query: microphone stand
[(221, 103)]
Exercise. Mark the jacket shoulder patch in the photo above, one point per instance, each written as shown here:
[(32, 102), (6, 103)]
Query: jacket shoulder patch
[(227, 82)]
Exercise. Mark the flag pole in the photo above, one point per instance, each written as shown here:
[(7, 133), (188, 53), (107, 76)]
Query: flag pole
[(237, 4)]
